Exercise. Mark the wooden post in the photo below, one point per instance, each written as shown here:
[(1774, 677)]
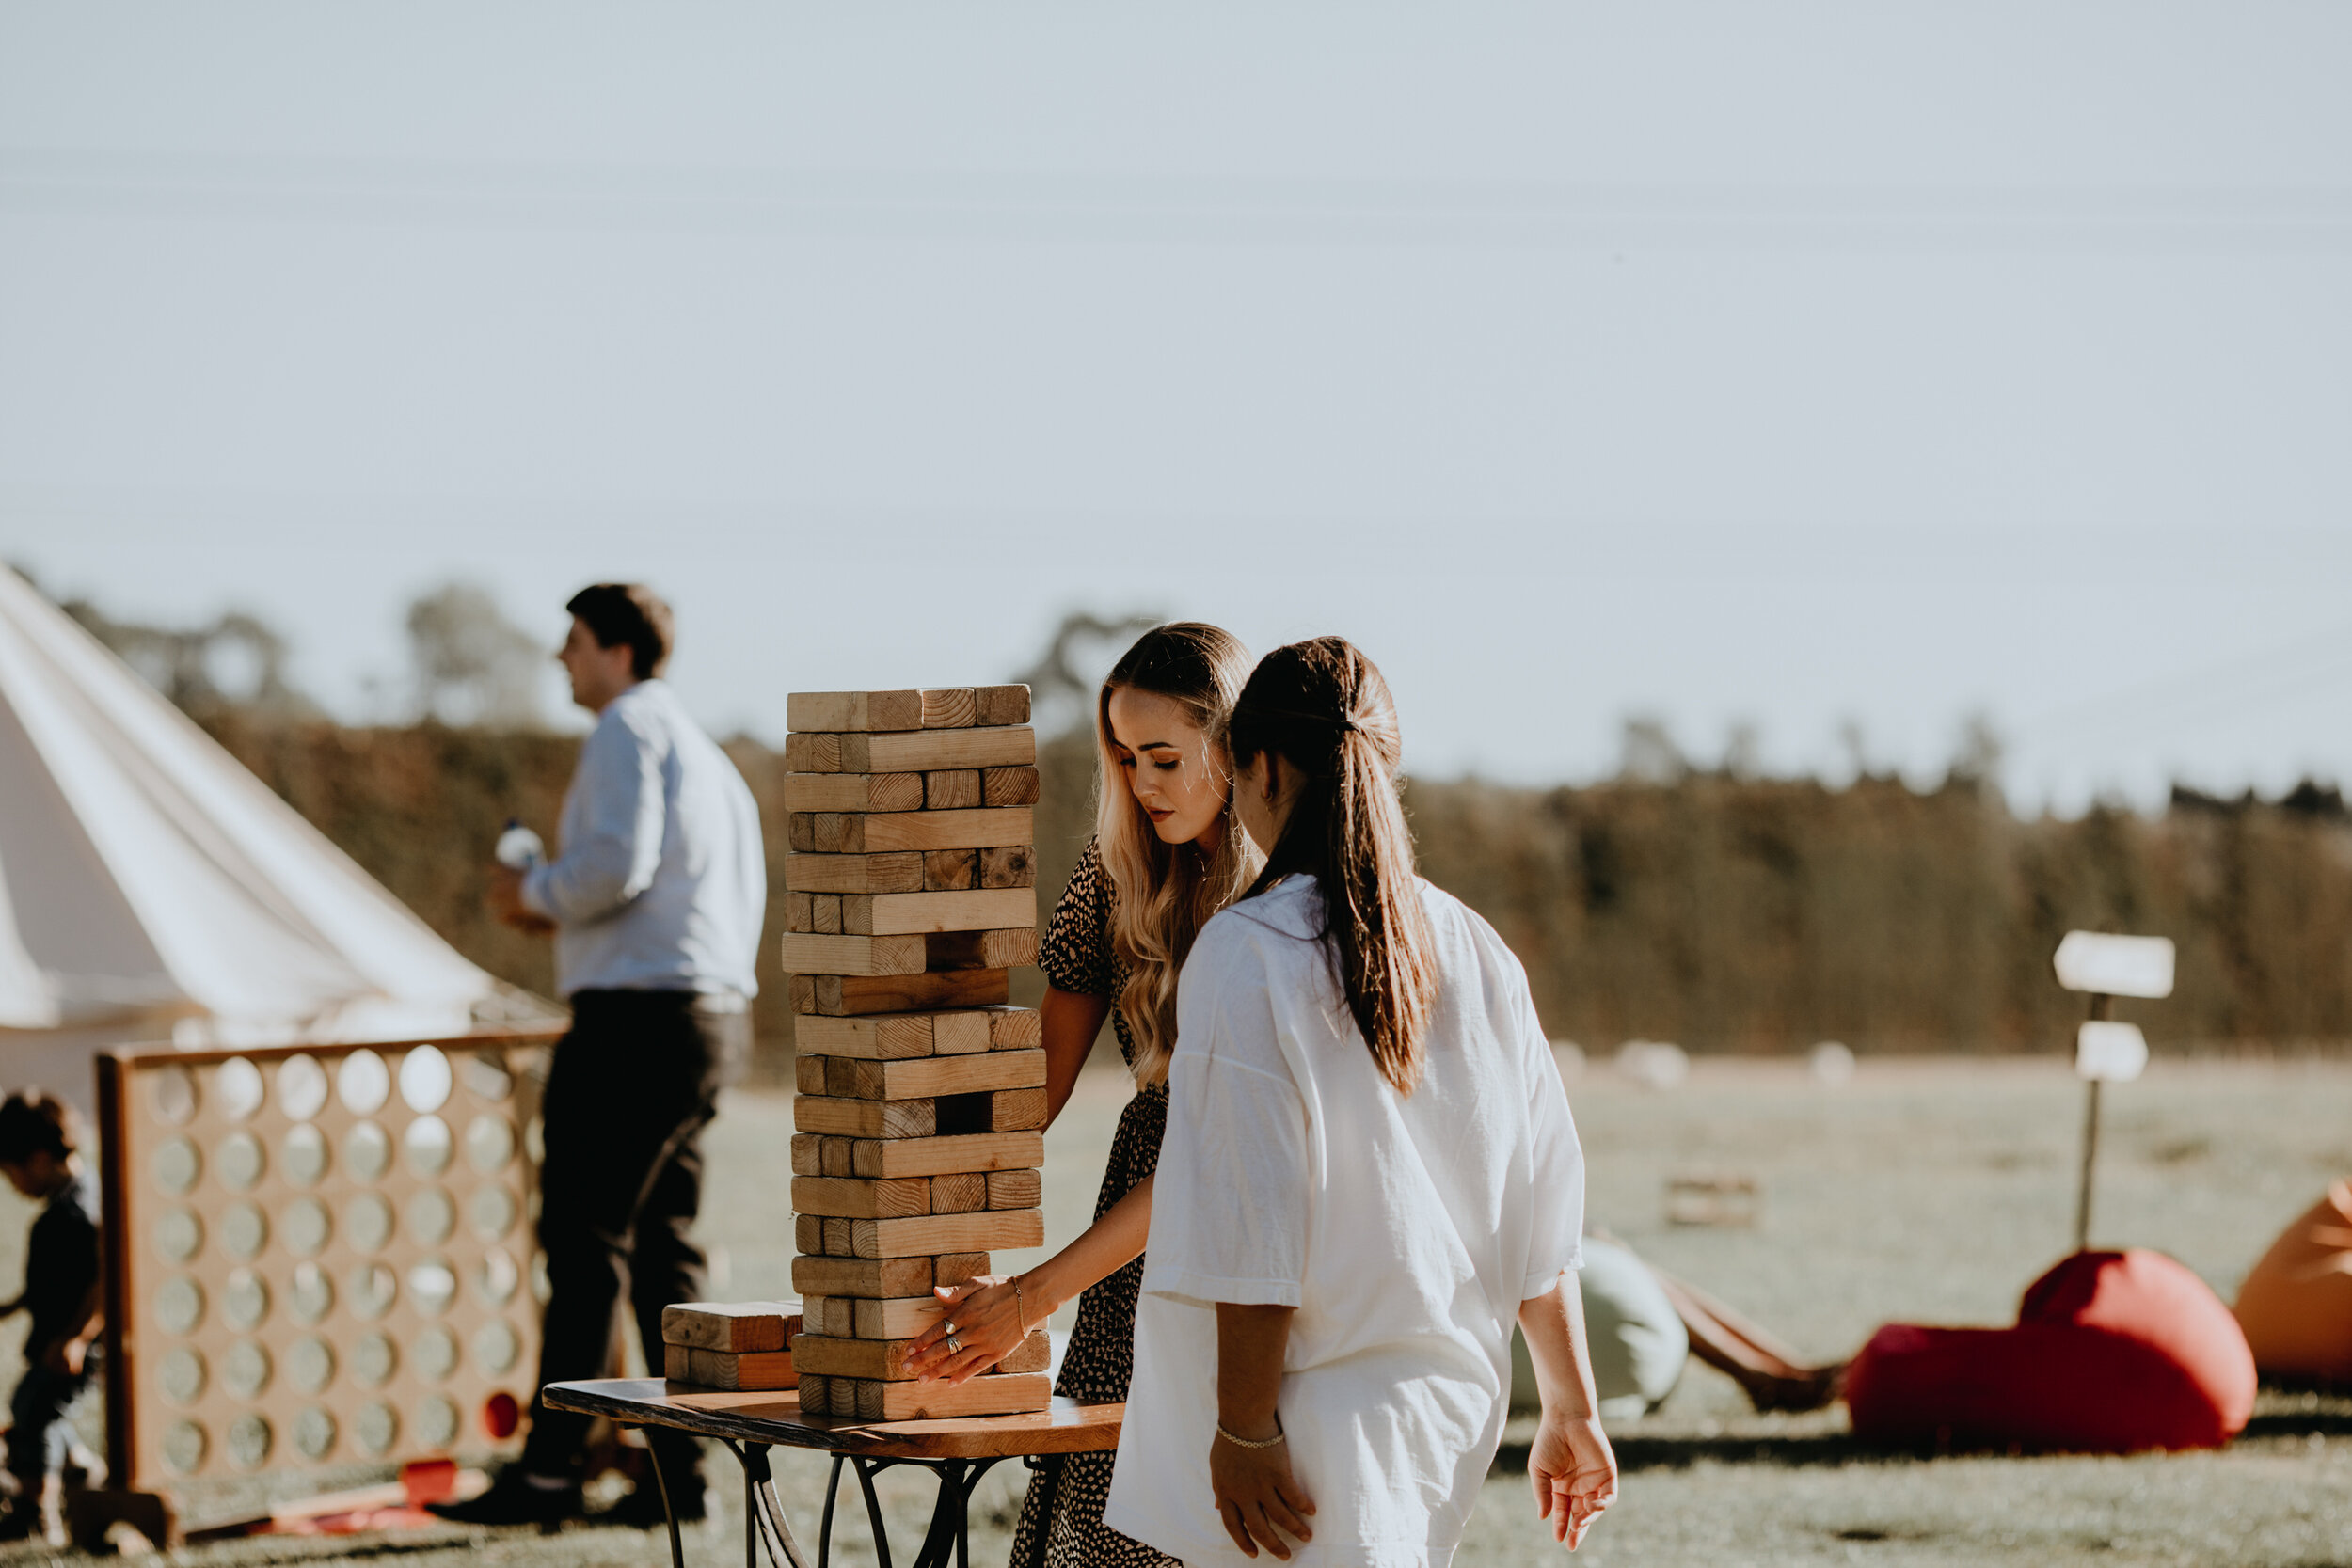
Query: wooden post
[(2101, 1005)]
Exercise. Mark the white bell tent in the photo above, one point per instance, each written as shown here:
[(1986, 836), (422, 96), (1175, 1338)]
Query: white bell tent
[(152, 889)]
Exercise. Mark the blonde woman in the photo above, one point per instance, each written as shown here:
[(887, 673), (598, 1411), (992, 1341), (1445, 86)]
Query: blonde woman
[(1167, 854)]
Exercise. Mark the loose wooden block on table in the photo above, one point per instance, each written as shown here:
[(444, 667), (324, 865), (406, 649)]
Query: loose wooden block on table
[(896, 1036), (884, 915), (930, 1077), (843, 995), (728, 1369), (910, 752), (857, 792), (816, 1274), (826, 832), (739, 1325)]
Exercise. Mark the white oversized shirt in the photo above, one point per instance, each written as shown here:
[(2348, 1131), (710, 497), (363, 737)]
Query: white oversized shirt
[(1405, 1229), (661, 882)]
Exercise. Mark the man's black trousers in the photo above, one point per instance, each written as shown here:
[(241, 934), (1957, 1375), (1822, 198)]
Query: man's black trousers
[(632, 1086)]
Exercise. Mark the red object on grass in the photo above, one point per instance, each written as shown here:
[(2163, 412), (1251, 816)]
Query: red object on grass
[(428, 1480), (500, 1414), (2113, 1351)]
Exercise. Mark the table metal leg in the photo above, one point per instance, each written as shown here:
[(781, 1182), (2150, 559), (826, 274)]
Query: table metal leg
[(669, 1515), (866, 1470), (825, 1530), (763, 1513)]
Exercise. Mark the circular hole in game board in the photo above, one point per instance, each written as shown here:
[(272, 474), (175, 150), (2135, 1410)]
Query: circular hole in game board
[(497, 1346), (179, 1305), (485, 1075), (178, 1234), (535, 1140), (182, 1375), (249, 1439), (500, 1414), (492, 1212), (245, 1370), (490, 1143), (314, 1434), (541, 1286), (436, 1421), (368, 1222), (367, 1152), (377, 1428), (495, 1277), (171, 1095), (314, 1294), (302, 1155), (244, 1300), (303, 1224), (371, 1291), (176, 1167), (424, 1078), (373, 1360), (433, 1354), (433, 1285), (244, 1230), (426, 1143), (237, 1088), (238, 1161), (310, 1362), (302, 1086), (432, 1215), (183, 1446), (363, 1082)]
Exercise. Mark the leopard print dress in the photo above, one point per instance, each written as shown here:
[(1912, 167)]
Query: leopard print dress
[(1061, 1521)]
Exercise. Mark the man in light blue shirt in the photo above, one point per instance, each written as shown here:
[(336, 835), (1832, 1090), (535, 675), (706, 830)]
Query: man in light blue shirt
[(655, 900)]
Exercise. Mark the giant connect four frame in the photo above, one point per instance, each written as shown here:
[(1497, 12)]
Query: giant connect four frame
[(319, 1255)]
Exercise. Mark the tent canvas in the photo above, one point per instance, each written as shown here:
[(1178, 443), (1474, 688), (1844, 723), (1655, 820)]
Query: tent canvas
[(152, 889)]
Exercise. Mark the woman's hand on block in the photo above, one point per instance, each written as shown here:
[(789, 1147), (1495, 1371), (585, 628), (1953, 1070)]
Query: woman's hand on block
[(1574, 1473), (986, 1312)]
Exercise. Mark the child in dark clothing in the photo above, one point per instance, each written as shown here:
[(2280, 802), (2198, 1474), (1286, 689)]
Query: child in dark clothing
[(39, 1152)]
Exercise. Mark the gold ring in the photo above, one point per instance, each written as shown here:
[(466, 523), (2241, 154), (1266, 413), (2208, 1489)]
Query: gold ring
[(955, 1344)]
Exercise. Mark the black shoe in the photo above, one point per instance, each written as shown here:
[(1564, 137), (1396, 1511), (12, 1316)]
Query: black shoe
[(27, 1519), (512, 1500), (641, 1509)]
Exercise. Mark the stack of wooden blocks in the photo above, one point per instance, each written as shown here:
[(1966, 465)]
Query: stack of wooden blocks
[(734, 1345), (919, 1126)]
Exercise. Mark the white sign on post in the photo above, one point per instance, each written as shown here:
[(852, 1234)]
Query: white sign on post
[(2109, 1052), (2116, 966)]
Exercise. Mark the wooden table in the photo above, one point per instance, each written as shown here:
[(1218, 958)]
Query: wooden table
[(958, 1452)]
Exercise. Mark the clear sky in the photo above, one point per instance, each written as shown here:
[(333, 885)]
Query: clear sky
[(1797, 365)]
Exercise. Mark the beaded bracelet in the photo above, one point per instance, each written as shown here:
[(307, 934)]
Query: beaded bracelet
[(1280, 1435), (1020, 1307)]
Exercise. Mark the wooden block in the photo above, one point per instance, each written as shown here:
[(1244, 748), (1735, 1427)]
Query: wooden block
[(929, 1077), (977, 1151), (952, 870), (799, 913), (871, 1399), (896, 831), (837, 1157), (830, 1357), (843, 995), (928, 750), (1015, 1029), (1012, 866), (966, 1193), (678, 1363), (834, 1315), (808, 1074), (807, 1151), (816, 1275), (893, 1035), (864, 1118), (852, 792), (825, 912), (867, 955), (951, 789), (816, 1395), (1009, 786), (1015, 1189), (1032, 1355), (1001, 704), (901, 1319), (927, 1235), (731, 1371), (951, 707), (853, 1197), (853, 710), (959, 1114), (1010, 948), (882, 914), (902, 872), (814, 754)]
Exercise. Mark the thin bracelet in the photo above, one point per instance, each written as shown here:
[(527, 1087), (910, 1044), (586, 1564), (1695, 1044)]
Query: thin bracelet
[(1280, 1435), (1020, 1307)]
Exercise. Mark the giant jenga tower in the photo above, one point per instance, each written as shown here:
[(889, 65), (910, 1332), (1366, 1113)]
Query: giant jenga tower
[(911, 893)]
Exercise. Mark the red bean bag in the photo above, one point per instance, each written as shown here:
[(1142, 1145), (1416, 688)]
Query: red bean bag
[(2113, 1351), (2297, 1305)]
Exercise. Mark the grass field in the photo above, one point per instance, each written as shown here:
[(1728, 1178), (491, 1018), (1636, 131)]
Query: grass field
[(1921, 1190)]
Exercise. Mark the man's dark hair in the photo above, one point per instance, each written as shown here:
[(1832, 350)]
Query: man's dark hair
[(33, 1121), (618, 613)]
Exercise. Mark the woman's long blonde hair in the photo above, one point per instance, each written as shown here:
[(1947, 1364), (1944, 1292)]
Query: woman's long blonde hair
[(1163, 893)]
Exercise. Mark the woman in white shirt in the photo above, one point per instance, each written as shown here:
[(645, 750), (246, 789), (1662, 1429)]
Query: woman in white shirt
[(1369, 1171)]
